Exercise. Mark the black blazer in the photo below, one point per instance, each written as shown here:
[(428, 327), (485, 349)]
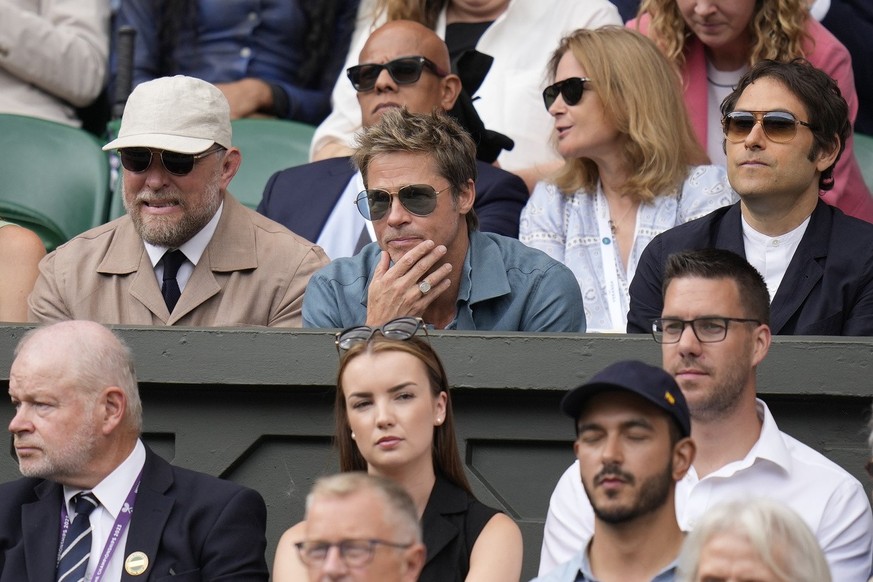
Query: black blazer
[(202, 527), (827, 288), (301, 198)]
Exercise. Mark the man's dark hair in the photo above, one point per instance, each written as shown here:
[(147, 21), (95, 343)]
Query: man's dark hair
[(723, 264), (826, 109)]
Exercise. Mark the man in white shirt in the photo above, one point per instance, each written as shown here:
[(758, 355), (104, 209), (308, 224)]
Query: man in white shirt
[(714, 332), (76, 433)]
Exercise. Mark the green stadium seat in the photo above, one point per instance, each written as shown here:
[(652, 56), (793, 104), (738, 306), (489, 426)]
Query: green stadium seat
[(55, 178), (864, 155)]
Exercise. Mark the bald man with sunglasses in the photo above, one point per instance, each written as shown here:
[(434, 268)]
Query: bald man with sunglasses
[(785, 127), (186, 252), (402, 64)]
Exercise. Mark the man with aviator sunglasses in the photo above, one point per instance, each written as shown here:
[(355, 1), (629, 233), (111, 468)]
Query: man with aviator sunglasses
[(186, 252), (785, 127), (403, 63), (431, 261)]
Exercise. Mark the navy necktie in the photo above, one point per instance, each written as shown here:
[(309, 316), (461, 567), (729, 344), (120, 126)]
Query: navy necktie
[(170, 287), (76, 549)]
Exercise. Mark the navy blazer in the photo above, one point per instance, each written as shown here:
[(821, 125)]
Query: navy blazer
[(201, 527), (827, 288), (301, 198)]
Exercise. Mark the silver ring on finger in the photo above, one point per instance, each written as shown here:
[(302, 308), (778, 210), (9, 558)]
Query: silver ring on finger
[(424, 287)]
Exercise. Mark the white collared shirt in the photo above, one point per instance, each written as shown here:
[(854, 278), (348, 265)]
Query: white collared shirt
[(193, 249), (830, 500), (343, 227), (770, 255), (112, 492)]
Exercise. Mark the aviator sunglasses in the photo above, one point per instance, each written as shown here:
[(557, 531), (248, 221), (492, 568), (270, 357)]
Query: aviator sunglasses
[(570, 89), (401, 328), (419, 199), (779, 126), (139, 159), (404, 71)]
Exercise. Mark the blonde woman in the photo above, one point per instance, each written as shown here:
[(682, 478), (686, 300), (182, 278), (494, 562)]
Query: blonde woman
[(633, 166)]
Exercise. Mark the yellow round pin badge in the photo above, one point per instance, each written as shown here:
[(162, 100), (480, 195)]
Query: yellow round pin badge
[(136, 563)]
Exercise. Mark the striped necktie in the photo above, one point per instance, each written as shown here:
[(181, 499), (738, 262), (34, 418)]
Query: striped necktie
[(76, 548)]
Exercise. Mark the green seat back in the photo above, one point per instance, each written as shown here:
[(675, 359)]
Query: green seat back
[(864, 155), (54, 179), (267, 146)]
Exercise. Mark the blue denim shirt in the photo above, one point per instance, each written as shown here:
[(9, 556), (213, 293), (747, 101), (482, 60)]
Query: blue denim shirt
[(236, 39), (505, 286), (579, 570)]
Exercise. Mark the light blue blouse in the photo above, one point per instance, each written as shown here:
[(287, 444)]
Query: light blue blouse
[(567, 228)]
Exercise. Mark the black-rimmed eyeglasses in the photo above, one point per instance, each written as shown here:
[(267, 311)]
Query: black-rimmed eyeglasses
[(707, 330), (355, 553), (404, 71), (401, 328), (570, 89), (779, 126), (138, 160)]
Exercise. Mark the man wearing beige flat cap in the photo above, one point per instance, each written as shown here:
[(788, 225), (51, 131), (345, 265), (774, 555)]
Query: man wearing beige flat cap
[(186, 252)]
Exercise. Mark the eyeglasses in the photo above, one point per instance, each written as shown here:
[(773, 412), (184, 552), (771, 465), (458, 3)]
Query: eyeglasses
[(419, 199), (355, 553), (570, 89), (401, 328), (779, 126), (139, 159), (404, 71), (707, 330)]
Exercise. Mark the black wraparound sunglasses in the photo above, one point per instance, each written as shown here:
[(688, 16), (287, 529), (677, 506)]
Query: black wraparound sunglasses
[(404, 71), (570, 89), (139, 159)]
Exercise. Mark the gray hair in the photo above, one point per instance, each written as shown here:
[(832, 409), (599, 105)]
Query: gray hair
[(781, 538), (400, 507), (97, 358), (435, 134)]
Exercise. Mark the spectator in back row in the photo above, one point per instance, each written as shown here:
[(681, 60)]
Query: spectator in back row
[(430, 260), (499, 48), (53, 56), (715, 43), (402, 64), (186, 253), (276, 58), (714, 333), (634, 168), (785, 126)]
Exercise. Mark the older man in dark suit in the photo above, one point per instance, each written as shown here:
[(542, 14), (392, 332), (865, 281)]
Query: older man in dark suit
[(402, 64), (76, 433), (785, 127)]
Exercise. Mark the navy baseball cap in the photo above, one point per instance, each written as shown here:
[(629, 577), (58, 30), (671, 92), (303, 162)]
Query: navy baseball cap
[(650, 382)]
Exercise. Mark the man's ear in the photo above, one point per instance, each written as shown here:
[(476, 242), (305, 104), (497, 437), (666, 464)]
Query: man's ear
[(450, 88), (230, 166), (112, 407), (827, 157)]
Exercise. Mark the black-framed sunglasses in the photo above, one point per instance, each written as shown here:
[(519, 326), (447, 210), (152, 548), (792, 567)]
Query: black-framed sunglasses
[(354, 553), (138, 160), (708, 330), (569, 89), (779, 126), (401, 328), (419, 199), (404, 71)]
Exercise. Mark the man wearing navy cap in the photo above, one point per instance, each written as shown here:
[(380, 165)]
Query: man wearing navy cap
[(633, 444)]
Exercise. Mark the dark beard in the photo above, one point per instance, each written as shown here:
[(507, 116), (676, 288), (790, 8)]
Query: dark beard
[(654, 493)]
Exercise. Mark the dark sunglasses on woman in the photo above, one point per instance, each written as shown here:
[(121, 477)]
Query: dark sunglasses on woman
[(138, 160), (419, 199), (404, 71), (569, 89)]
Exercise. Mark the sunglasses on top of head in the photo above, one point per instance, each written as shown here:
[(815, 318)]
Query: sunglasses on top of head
[(779, 126), (138, 160), (569, 89), (400, 328), (404, 71), (418, 199)]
